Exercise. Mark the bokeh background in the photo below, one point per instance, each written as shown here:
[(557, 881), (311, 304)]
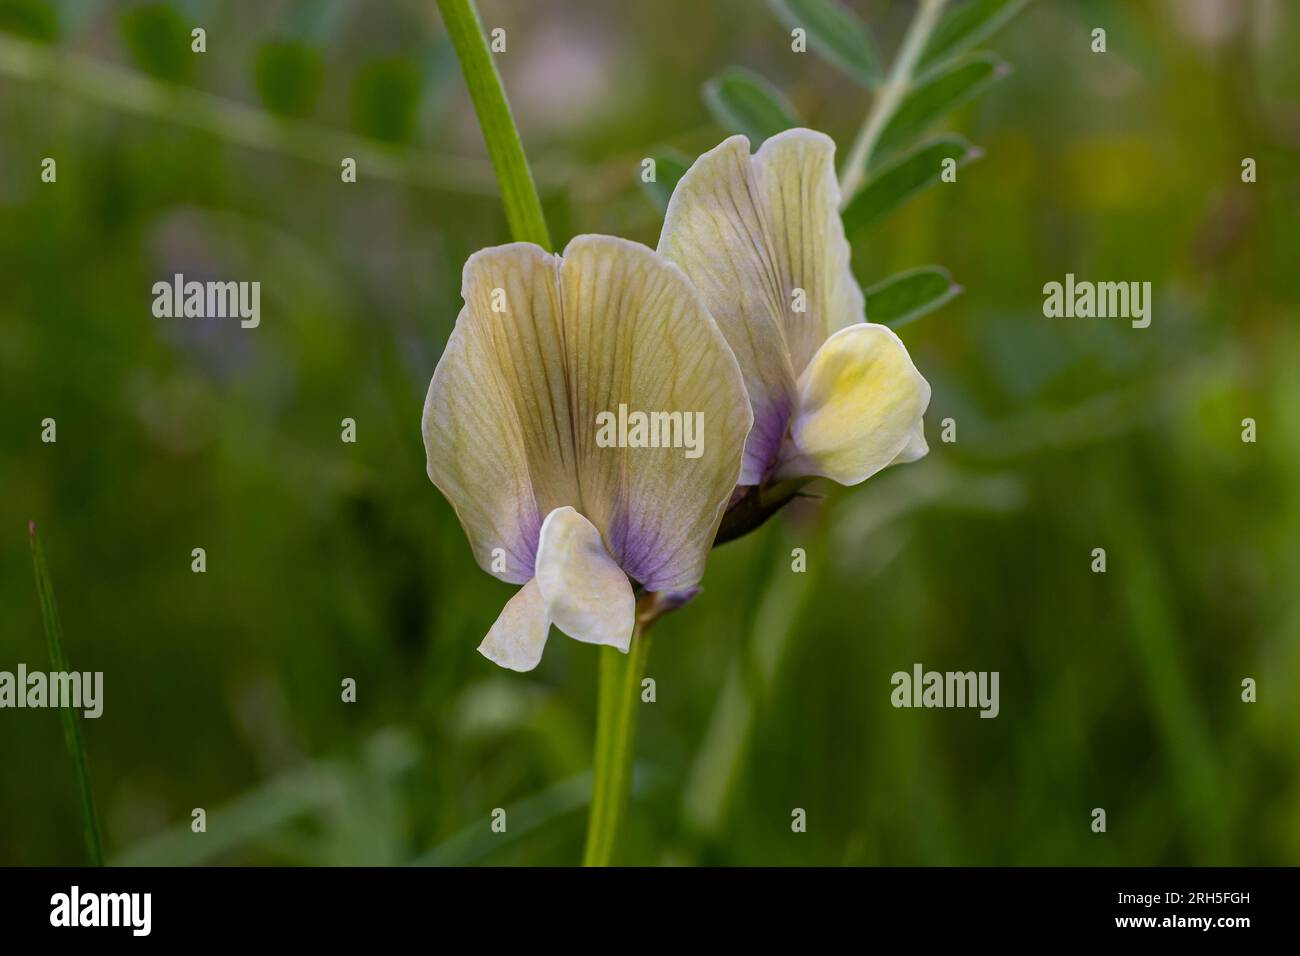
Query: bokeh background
[(329, 560)]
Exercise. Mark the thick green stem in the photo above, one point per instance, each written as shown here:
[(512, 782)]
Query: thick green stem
[(854, 173), (617, 702), (518, 194)]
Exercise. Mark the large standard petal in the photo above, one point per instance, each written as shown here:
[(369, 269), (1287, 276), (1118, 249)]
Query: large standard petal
[(542, 348), (860, 405), (518, 637), (639, 340), (761, 238), (586, 593), (497, 426), (796, 172)]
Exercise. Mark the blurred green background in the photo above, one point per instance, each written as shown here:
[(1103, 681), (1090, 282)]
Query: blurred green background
[(329, 560)]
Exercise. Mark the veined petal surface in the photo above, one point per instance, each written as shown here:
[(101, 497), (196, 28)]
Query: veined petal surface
[(545, 346), (497, 427), (639, 340)]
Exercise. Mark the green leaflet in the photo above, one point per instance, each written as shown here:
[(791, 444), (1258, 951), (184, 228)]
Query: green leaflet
[(894, 184), (33, 19), (289, 76), (942, 91), (835, 34), (907, 296), (965, 25), (743, 102), (386, 99), (159, 41)]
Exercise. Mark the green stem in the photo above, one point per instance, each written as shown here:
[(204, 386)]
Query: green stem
[(620, 693), (518, 194), (854, 173), (71, 716)]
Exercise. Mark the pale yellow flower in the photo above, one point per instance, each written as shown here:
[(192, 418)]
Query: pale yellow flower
[(760, 236), (543, 346)]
